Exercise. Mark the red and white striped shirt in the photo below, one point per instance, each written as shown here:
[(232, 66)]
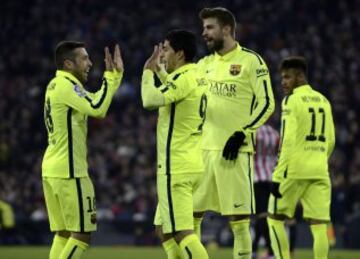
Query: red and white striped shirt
[(267, 143)]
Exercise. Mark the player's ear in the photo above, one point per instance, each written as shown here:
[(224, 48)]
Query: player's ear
[(299, 74), (226, 30), (68, 64), (180, 55), (303, 76)]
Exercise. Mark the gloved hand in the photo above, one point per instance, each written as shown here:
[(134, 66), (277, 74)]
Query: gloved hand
[(233, 145), (275, 189)]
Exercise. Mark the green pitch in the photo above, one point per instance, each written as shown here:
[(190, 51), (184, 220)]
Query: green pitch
[(19, 252)]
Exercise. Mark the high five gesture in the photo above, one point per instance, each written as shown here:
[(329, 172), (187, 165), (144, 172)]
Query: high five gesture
[(114, 63)]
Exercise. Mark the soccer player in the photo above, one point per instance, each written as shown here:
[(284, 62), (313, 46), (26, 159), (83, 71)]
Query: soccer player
[(7, 223), (239, 100), (68, 190), (181, 103), (301, 174), (266, 147)]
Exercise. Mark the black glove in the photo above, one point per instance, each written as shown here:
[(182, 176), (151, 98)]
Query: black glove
[(233, 145), (275, 189)]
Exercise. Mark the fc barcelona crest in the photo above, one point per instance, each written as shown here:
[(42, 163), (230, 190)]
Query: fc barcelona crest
[(235, 70)]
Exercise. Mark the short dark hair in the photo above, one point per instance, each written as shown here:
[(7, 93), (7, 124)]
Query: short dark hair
[(65, 50), (295, 62), (183, 40), (223, 15)]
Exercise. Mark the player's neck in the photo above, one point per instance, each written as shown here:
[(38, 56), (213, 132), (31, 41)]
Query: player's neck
[(301, 83), (74, 74), (229, 45), (180, 64)]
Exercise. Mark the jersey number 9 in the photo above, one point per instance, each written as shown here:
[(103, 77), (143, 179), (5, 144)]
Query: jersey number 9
[(202, 110)]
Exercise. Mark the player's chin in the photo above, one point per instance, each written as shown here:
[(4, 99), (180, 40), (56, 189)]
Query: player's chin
[(85, 77), (210, 44)]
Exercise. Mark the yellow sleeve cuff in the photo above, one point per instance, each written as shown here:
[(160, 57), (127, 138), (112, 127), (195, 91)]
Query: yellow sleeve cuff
[(114, 78), (148, 73), (113, 74), (162, 74)]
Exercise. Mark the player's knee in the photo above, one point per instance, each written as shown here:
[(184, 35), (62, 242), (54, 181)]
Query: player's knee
[(84, 237), (199, 215), (63, 233), (161, 235), (262, 215), (278, 217), (179, 236), (238, 217), (316, 221)]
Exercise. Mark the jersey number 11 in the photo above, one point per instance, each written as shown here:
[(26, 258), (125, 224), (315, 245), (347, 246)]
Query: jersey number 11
[(312, 136)]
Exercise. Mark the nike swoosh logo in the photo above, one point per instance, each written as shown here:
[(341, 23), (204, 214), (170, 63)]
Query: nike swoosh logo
[(238, 205), (241, 254)]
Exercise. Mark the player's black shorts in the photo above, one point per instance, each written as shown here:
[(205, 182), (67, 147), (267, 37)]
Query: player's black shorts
[(262, 193)]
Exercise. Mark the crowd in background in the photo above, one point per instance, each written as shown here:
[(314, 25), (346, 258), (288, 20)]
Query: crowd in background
[(121, 148)]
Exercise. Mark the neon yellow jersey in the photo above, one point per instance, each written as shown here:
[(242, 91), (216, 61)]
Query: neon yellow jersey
[(67, 107), (307, 135), (7, 220), (239, 97), (180, 121)]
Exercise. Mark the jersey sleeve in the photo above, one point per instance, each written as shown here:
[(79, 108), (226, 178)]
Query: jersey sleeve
[(261, 85), (92, 104), (176, 88), (287, 141), (331, 132), (162, 74), (151, 95), (202, 64)]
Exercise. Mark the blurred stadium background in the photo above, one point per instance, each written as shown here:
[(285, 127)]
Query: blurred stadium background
[(122, 146)]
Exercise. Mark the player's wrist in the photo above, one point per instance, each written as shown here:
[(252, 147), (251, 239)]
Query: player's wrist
[(148, 71), (113, 73), (275, 189), (276, 180), (147, 76)]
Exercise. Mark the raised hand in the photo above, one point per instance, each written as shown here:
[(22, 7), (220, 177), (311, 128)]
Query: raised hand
[(113, 63), (109, 65), (153, 62), (118, 62)]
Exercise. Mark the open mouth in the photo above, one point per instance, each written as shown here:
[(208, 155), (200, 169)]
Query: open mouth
[(209, 41), (86, 72)]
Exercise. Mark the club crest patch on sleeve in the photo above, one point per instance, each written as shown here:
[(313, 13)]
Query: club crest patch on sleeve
[(235, 69), (80, 92)]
